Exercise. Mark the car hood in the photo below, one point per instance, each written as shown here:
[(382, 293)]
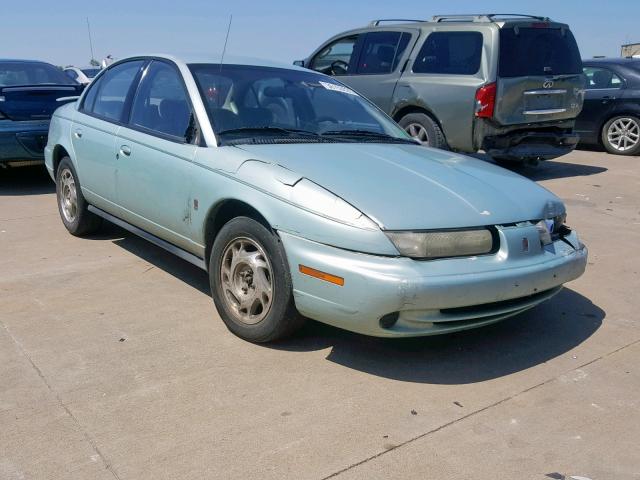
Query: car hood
[(405, 187)]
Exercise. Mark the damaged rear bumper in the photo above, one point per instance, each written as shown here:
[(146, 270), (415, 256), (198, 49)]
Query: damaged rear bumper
[(527, 145)]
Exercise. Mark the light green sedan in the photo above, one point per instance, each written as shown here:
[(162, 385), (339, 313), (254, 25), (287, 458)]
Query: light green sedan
[(302, 199)]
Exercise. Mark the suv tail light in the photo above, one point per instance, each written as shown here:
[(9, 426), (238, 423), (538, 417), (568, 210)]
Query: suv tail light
[(485, 100)]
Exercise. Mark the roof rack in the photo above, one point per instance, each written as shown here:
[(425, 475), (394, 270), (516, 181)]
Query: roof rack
[(485, 17), (376, 23)]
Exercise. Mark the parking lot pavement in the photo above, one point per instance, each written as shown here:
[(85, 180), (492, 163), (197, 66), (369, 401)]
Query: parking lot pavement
[(114, 364)]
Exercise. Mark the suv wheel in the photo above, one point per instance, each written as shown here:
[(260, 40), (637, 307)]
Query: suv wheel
[(621, 135), (424, 129), (251, 282), (72, 206)]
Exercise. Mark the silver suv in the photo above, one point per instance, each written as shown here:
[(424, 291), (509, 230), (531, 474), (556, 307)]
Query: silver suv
[(511, 85)]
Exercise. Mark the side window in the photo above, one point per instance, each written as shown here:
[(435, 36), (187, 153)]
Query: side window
[(161, 104), (453, 53), (108, 95), (381, 52), (71, 74), (599, 78), (335, 58)]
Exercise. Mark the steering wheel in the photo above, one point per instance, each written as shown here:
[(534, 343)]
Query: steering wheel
[(339, 67)]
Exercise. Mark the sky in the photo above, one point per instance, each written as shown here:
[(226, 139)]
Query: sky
[(280, 30)]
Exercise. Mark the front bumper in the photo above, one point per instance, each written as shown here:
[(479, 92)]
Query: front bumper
[(22, 141), (430, 297), (528, 145)]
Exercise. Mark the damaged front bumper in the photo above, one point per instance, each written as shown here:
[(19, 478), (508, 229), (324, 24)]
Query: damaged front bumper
[(401, 297)]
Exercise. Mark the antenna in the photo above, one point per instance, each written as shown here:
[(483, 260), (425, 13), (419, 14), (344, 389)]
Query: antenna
[(90, 41), (224, 49)]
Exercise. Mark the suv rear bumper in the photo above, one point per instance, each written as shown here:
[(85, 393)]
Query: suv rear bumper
[(527, 145)]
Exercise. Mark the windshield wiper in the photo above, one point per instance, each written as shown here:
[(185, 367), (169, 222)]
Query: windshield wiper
[(367, 134), (259, 130)]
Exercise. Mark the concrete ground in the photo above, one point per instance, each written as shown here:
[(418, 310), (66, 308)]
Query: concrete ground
[(114, 364)]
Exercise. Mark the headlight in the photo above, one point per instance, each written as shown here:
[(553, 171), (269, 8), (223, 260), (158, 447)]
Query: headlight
[(318, 200), (452, 243)]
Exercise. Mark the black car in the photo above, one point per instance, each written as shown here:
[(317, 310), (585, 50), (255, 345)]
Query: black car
[(29, 93), (611, 113)]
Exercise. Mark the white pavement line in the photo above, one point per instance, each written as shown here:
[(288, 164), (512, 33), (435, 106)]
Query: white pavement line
[(87, 437), (475, 412)]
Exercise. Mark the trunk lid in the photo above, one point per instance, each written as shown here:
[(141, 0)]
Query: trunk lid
[(34, 102), (539, 74)]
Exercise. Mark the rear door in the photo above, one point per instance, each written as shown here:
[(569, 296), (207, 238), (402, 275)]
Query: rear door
[(94, 130), (380, 61), (603, 92), (539, 74)]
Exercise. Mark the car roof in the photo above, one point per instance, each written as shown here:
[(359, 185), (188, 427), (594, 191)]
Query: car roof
[(188, 59), (22, 60), (613, 61)]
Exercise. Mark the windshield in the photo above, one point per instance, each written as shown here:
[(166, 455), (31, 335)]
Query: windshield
[(32, 73), (538, 52), (249, 104), (90, 72)]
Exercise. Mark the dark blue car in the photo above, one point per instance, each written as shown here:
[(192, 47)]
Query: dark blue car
[(29, 93)]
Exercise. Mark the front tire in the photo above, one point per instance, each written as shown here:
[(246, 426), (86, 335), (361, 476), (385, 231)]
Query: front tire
[(424, 129), (251, 282), (72, 205), (621, 135)]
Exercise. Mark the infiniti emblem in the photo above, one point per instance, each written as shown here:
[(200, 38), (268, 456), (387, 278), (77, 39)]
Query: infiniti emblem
[(548, 84)]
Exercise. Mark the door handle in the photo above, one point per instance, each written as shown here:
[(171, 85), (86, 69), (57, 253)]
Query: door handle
[(78, 133), (125, 150)]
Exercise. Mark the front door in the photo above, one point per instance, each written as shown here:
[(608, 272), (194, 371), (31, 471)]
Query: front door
[(154, 154)]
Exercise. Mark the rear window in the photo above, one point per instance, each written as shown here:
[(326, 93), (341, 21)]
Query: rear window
[(32, 73), (453, 53), (538, 52)]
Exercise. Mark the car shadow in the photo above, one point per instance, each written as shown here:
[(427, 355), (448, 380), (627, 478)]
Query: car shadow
[(548, 169), (521, 342), (156, 256), (549, 330), (25, 181)]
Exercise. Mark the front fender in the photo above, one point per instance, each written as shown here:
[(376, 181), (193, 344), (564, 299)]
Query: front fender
[(266, 188)]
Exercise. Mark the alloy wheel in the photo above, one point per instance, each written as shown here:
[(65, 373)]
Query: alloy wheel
[(418, 132), (247, 280), (623, 134), (68, 196)]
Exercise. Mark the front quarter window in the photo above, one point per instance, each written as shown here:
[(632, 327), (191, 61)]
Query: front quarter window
[(335, 58)]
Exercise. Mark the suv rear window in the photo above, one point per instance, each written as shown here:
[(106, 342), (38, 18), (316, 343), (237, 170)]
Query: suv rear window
[(538, 52), (455, 53)]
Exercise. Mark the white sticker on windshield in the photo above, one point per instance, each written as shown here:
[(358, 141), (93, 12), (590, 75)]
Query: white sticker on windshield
[(337, 88)]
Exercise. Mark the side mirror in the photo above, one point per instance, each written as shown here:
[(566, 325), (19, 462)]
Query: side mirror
[(299, 63)]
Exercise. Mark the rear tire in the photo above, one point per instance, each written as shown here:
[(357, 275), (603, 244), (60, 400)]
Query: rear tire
[(621, 135), (251, 282), (424, 129), (72, 205)]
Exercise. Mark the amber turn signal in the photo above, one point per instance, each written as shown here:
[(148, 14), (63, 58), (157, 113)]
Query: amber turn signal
[(327, 277)]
